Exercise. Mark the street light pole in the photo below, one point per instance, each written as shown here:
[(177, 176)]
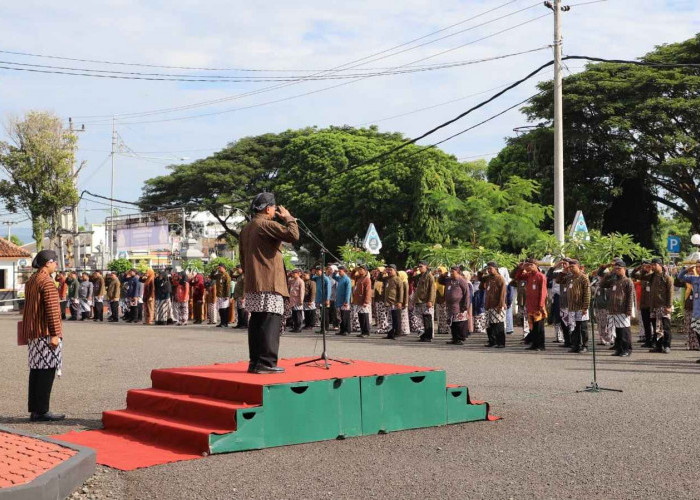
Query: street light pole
[(111, 193), (558, 128)]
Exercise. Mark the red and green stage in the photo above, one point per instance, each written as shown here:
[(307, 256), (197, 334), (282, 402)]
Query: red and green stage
[(194, 411)]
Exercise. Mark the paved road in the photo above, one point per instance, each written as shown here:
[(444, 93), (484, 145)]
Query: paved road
[(552, 442)]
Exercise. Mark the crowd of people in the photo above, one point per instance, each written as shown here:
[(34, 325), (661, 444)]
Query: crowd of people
[(419, 301)]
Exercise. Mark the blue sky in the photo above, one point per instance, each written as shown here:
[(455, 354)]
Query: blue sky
[(295, 35)]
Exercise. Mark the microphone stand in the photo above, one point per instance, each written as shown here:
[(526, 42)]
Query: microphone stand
[(324, 355)]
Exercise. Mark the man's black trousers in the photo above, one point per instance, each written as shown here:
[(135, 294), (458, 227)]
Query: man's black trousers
[(40, 384), (345, 322), (264, 330), (579, 338), (297, 320), (364, 323)]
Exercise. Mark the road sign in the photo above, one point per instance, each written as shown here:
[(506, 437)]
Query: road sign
[(579, 229), (673, 244), (372, 243)]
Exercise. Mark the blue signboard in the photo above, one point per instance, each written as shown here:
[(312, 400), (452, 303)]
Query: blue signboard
[(673, 244)]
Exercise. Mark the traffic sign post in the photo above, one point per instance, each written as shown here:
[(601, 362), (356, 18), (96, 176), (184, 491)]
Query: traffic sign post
[(673, 245)]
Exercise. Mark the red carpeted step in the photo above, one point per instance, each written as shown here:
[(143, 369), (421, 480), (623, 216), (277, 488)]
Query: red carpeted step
[(188, 408), (202, 383), (166, 432)]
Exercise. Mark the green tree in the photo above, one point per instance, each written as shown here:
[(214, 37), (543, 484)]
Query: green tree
[(37, 161), (119, 266), (631, 142), (15, 239)]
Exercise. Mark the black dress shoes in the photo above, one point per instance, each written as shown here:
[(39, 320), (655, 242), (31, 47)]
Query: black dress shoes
[(46, 417), (266, 369)]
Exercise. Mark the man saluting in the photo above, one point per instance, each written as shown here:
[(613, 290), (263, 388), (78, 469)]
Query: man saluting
[(266, 281)]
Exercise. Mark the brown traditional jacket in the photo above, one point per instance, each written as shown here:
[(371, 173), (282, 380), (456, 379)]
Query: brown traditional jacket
[(645, 296), (495, 296), (579, 293), (661, 291), (42, 313), (362, 291), (260, 245), (100, 290), (113, 290), (620, 294), (393, 291), (425, 289)]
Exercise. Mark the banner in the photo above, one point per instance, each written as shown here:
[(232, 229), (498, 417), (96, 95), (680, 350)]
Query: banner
[(143, 238)]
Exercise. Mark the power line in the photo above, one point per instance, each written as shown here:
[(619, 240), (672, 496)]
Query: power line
[(296, 96), (275, 87), (119, 75), (145, 65)]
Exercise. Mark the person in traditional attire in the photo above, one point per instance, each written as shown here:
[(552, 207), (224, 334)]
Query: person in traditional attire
[(163, 293), (600, 294), (323, 296), (239, 298), (42, 330), (424, 301), (440, 305), (149, 290), (266, 284), (139, 297), (691, 276), (393, 300), (100, 291), (113, 296), (478, 305), (343, 298), (197, 289), (333, 311), (223, 301), (458, 297), (131, 299), (535, 302), (297, 289), (494, 287), (578, 299), (62, 289), (378, 298), (85, 295), (181, 294), (562, 279), (620, 302), (309, 301), (555, 301), (643, 274), (210, 299), (73, 295), (362, 299), (693, 341), (661, 304), (405, 322)]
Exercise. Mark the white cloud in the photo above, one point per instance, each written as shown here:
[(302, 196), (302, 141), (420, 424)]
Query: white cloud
[(311, 34)]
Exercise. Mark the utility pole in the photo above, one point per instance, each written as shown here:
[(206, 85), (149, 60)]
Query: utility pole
[(9, 225), (111, 193), (557, 8), (74, 172)]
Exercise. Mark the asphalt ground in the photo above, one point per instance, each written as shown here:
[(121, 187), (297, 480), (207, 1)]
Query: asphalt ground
[(552, 442)]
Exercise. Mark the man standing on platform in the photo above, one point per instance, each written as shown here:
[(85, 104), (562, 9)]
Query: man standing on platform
[(424, 301), (495, 304), (266, 284)]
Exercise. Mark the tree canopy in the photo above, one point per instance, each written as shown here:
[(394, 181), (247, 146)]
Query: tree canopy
[(415, 196), (631, 142), (37, 162)]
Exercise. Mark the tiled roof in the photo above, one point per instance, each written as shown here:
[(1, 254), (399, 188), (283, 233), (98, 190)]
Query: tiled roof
[(10, 250)]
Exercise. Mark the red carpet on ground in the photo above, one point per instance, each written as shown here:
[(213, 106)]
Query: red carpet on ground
[(173, 420)]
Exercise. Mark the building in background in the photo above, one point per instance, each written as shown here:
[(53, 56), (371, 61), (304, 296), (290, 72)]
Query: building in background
[(14, 262)]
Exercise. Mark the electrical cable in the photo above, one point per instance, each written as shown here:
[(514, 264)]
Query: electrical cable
[(98, 61), (271, 88)]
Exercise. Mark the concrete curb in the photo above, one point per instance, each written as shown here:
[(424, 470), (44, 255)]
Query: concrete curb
[(59, 482)]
